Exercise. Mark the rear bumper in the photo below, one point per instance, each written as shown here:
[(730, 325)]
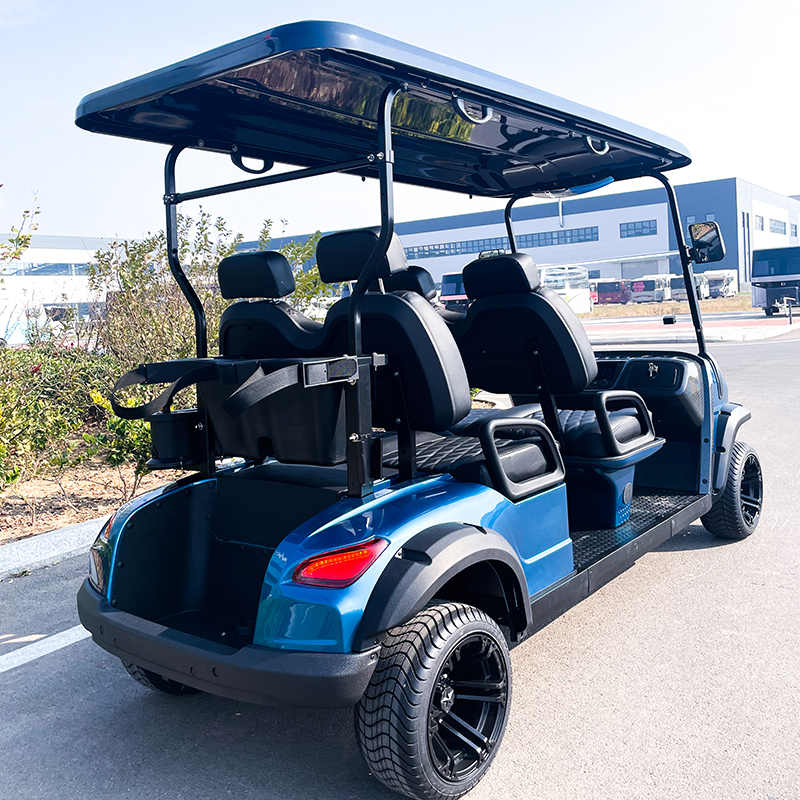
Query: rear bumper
[(252, 674)]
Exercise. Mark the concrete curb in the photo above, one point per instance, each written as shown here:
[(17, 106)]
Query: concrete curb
[(47, 548)]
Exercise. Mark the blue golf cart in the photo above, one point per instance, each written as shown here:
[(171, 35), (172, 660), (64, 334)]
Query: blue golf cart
[(351, 532)]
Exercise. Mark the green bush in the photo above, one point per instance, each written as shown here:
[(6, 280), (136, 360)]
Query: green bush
[(54, 408), (45, 400)]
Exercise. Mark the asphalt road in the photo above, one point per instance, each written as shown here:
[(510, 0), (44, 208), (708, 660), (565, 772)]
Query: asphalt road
[(677, 680)]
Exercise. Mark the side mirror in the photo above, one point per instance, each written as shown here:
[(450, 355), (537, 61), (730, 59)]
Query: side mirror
[(707, 244)]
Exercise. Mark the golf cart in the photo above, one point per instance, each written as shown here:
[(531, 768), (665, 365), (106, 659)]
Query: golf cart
[(351, 532)]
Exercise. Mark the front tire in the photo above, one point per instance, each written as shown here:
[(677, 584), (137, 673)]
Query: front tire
[(736, 513), (436, 708), (157, 682)]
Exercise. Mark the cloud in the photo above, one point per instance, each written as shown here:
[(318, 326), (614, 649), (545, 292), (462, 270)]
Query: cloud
[(16, 13)]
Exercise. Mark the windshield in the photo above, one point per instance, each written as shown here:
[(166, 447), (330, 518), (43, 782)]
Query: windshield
[(452, 286), (607, 288), (767, 267)]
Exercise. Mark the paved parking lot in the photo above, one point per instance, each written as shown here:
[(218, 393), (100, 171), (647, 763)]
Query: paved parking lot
[(677, 680)]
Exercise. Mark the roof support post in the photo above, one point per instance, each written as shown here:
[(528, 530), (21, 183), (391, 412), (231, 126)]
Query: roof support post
[(686, 262), (385, 163), (512, 242), (171, 203)]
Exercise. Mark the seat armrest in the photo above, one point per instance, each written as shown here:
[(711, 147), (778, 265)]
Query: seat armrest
[(626, 399), (514, 490)]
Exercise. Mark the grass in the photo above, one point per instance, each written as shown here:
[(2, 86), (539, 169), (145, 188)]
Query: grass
[(719, 305)]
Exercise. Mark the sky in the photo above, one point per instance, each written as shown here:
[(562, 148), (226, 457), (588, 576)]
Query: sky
[(720, 76)]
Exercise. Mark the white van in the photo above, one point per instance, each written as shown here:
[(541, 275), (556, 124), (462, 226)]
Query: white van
[(723, 282)]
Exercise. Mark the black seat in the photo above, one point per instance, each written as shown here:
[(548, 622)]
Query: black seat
[(419, 280), (425, 386), (464, 458), (262, 325), (404, 326), (522, 339)]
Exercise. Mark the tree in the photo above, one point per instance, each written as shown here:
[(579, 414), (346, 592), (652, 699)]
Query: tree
[(147, 318), (19, 239)]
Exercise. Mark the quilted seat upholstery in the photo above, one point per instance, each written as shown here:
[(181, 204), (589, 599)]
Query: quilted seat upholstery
[(581, 432), (582, 436), (463, 458)]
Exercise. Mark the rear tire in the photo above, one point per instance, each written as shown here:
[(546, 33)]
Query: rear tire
[(736, 512), (435, 711), (769, 311), (157, 682)]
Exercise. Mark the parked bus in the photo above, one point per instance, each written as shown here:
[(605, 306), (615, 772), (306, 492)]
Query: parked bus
[(776, 276), (613, 292), (571, 283), (723, 282), (678, 287), (651, 289), (453, 296)]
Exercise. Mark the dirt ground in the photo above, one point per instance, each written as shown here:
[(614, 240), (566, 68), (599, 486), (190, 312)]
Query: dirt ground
[(741, 302), (88, 491)]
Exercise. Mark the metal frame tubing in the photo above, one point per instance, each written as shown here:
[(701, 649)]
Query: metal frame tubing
[(385, 160), (358, 395), (512, 242), (189, 293), (686, 262)]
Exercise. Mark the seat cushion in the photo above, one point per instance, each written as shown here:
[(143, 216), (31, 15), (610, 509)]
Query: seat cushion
[(463, 458), (471, 424), (582, 436)]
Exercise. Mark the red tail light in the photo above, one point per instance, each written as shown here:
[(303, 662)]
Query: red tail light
[(339, 568)]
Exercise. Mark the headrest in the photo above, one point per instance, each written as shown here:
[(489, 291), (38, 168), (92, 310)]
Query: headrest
[(413, 279), (263, 274), (342, 256), (513, 273)]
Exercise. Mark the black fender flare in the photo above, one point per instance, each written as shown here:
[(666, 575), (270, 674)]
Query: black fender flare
[(426, 563), (731, 417)]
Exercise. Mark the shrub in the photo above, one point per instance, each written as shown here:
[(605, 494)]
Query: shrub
[(45, 399)]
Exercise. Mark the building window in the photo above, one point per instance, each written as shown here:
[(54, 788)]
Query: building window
[(759, 223), (776, 226), (793, 229), (648, 227), (691, 219), (527, 240), (551, 238), (710, 217)]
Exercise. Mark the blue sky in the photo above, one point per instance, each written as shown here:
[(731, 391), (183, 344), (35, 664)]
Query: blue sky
[(721, 76)]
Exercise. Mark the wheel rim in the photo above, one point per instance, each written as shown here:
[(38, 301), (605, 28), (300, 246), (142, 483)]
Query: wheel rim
[(468, 708), (751, 490)]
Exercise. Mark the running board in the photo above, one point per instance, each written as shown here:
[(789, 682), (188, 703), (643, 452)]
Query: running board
[(553, 602)]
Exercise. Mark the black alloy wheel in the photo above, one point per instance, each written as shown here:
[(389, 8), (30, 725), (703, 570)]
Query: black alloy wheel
[(468, 708), (736, 512), (435, 711)]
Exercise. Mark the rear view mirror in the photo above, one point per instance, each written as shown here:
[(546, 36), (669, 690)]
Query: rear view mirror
[(707, 244)]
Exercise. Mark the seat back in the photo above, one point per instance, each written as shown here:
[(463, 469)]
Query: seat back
[(262, 328), (431, 384), (419, 280), (514, 325)]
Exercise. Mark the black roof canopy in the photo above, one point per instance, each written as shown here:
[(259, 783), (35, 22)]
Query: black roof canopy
[(307, 94)]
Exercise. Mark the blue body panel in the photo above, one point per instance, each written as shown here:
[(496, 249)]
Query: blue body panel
[(296, 617), (292, 616)]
